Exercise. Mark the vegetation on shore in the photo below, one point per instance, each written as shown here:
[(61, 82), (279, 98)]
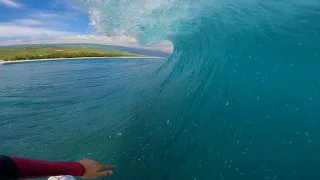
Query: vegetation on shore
[(55, 52)]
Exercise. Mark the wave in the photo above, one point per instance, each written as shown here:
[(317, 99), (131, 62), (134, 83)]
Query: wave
[(238, 96), (204, 31)]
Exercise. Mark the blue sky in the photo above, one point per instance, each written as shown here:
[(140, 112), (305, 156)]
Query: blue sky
[(50, 15), (54, 21)]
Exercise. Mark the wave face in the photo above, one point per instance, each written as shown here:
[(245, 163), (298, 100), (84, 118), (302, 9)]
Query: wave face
[(239, 97)]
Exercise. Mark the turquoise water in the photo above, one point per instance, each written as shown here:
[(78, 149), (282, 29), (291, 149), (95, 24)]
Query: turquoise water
[(253, 122), (66, 110), (238, 99)]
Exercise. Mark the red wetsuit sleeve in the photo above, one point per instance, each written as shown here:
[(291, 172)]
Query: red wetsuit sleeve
[(29, 168)]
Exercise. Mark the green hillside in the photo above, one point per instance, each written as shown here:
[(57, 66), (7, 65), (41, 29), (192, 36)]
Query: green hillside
[(52, 52)]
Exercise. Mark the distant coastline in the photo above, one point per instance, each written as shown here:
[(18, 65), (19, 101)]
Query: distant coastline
[(45, 53), (79, 58)]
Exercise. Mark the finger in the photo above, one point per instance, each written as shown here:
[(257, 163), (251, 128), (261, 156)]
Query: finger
[(105, 173), (107, 167)]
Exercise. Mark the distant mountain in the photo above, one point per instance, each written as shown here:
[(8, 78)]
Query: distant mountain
[(146, 52)]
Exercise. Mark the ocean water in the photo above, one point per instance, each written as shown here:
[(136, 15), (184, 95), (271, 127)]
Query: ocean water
[(239, 98)]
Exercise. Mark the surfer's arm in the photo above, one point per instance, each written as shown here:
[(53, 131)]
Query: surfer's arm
[(21, 168), (13, 168)]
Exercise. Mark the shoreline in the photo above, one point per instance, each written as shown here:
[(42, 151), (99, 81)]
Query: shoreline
[(60, 59)]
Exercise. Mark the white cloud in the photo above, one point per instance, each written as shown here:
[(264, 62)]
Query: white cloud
[(46, 19), (62, 16), (10, 30), (11, 3), (44, 15), (29, 22), (126, 41)]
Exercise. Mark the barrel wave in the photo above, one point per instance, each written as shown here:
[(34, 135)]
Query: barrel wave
[(238, 99)]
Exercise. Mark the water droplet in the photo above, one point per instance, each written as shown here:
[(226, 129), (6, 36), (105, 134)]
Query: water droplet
[(168, 121), (227, 103), (119, 134)]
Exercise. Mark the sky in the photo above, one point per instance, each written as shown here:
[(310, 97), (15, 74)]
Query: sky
[(54, 21)]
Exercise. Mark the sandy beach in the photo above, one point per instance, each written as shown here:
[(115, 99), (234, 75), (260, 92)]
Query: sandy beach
[(58, 59)]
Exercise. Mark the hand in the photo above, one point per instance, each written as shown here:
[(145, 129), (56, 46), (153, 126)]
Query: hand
[(95, 170)]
